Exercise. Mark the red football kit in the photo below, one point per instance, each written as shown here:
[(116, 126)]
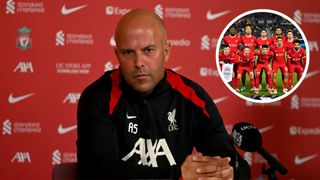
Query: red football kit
[(232, 41), (246, 64), (297, 60), (263, 62)]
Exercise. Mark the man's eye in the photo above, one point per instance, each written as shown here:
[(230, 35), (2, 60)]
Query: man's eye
[(126, 52), (149, 50)]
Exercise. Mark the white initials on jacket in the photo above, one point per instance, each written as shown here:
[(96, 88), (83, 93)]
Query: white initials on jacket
[(147, 150)]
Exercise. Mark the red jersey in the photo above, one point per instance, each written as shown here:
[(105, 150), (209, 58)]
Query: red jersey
[(296, 57), (233, 42), (230, 58), (249, 41), (279, 54), (246, 60), (260, 42), (289, 44), (264, 58), (274, 39)]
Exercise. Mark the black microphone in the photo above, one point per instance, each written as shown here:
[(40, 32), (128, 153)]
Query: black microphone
[(248, 138)]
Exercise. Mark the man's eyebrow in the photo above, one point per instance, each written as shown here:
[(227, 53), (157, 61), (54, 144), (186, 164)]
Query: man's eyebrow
[(149, 46)]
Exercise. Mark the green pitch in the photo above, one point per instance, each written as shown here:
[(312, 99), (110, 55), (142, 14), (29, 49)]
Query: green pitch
[(264, 90)]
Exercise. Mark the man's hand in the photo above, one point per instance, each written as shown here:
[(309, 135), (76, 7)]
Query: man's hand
[(197, 166)]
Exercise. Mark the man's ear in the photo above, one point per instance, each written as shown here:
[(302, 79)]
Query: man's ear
[(167, 51)]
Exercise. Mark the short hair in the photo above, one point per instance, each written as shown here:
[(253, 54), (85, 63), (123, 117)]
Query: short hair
[(225, 46), (264, 46), (246, 47), (248, 25), (278, 27), (289, 31), (279, 38), (264, 30), (296, 41)]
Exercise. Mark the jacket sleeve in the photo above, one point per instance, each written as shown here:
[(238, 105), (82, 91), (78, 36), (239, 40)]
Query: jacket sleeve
[(97, 144)]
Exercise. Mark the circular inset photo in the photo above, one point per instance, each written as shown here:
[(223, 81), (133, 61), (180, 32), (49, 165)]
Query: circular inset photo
[(262, 56)]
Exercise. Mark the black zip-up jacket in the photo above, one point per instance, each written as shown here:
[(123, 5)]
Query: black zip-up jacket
[(124, 135)]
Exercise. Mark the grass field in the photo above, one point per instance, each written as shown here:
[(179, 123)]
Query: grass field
[(264, 91)]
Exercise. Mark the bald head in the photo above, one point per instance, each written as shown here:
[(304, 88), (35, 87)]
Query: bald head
[(140, 19)]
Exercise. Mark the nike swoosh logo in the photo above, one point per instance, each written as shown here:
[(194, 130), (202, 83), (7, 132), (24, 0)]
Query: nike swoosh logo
[(66, 11), (298, 160), (130, 117), (265, 129), (218, 100), (175, 69), (62, 130), (211, 16), (13, 100), (313, 73)]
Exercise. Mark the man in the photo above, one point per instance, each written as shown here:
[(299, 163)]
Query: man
[(248, 40), (228, 57), (289, 40), (233, 40), (278, 33), (246, 61), (263, 39), (280, 61), (297, 58), (259, 42), (142, 120), (264, 57)]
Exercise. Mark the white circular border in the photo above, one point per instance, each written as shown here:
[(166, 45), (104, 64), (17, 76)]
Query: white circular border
[(304, 39)]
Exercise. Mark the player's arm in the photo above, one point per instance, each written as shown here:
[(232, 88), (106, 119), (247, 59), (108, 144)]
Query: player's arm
[(97, 144)]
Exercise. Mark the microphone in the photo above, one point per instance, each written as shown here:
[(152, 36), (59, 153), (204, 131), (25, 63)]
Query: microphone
[(248, 138)]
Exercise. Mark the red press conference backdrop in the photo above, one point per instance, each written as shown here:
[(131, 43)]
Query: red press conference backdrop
[(51, 50)]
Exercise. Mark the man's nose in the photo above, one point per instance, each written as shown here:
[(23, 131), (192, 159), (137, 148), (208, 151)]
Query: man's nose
[(139, 60)]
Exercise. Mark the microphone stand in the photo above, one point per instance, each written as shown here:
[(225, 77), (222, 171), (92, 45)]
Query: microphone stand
[(270, 172)]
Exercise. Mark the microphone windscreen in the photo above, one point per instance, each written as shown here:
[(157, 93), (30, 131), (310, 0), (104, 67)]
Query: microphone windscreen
[(246, 136)]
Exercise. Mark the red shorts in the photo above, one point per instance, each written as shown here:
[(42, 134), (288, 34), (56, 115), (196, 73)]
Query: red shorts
[(282, 66), (295, 68), (259, 68), (249, 69)]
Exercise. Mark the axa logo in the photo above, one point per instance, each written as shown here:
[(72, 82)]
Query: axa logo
[(72, 98), (173, 122), (66, 11), (24, 40), (24, 67), (10, 7), (212, 16), (21, 157), (149, 151)]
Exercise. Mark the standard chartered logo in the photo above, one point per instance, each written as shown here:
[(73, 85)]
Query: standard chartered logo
[(7, 127), (205, 42), (60, 38), (297, 16), (56, 157), (159, 10), (295, 102), (10, 9)]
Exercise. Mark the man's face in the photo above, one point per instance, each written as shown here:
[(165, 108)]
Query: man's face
[(233, 31), (246, 51), (278, 31), (248, 30), (263, 34), (289, 35), (264, 51), (226, 50), (279, 42), (142, 53), (296, 46)]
